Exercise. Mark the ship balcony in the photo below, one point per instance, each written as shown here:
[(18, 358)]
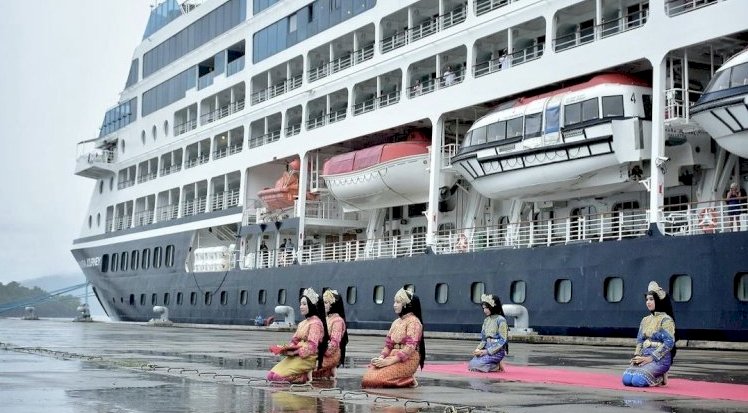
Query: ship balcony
[(326, 118), (252, 213), (376, 103), (222, 112), (432, 85), (185, 127), (96, 164), (341, 63), (194, 206), (587, 33), (224, 200), (676, 7), (516, 58), (264, 139), (118, 223), (484, 6), (168, 170), (276, 90), (425, 29), (294, 129), (167, 212), (143, 218)]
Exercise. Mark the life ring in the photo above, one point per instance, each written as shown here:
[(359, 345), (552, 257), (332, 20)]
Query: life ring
[(708, 220)]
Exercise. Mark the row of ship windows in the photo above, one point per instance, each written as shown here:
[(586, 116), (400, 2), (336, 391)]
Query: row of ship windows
[(135, 259), (680, 291)]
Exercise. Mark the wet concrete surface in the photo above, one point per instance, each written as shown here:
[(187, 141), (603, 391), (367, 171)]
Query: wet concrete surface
[(60, 366)]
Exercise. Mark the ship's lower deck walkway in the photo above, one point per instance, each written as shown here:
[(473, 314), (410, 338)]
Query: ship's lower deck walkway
[(93, 367)]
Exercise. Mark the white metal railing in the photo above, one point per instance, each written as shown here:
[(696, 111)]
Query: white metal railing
[(451, 78), (126, 184), (363, 54), (143, 218), (222, 112), (226, 151), (100, 156), (424, 29), (147, 177), (265, 139), (294, 129), (574, 39), (120, 223), (322, 209), (167, 212), (224, 200), (678, 220), (676, 7), (376, 103), (249, 214), (445, 81), (336, 116), (676, 105), (199, 160), (276, 90), (448, 151), (235, 66), (485, 6), (185, 127), (515, 58), (170, 169), (194, 206), (622, 24)]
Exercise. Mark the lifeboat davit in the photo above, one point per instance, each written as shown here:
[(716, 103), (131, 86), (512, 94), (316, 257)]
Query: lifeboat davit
[(285, 191), (381, 176)]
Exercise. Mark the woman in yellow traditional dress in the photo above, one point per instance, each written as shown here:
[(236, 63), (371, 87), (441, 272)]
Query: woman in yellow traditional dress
[(404, 349), (307, 346), (335, 355)]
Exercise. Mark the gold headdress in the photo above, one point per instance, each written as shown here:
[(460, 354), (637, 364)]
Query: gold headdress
[(311, 295), (655, 288), (402, 296), (329, 295), (488, 299)]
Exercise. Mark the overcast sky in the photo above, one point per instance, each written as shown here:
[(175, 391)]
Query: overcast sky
[(63, 65)]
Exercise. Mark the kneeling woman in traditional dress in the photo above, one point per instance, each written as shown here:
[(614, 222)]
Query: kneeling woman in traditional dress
[(335, 355), (655, 343), (493, 346), (307, 346), (404, 349)]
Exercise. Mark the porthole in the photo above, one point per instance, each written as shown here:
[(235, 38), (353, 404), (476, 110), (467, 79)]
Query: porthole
[(132, 299), (98, 219), (208, 298), (193, 298), (111, 183), (166, 128), (90, 221), (562, 291), (153, 132), (157, 257), (105, 263), (243, 297), (115, 261), (142, 299), (282, 296), (146, 259), (179, 298), (613, 289), (101, 187), (261, 296), (379, 294), (351, 295), (476, 290), (441, 294), (134, 259), (122, 146), (518, 291), (166, 298), (741, 286), (169, 256), (224, 298), (123, 263), (154, 299), (142, 137), (681, 288)]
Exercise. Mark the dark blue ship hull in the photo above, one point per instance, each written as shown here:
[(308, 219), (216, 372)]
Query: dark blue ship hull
[(714, 263)]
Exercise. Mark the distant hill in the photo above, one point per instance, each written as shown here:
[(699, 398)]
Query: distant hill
[(14, 298), (59, 281)]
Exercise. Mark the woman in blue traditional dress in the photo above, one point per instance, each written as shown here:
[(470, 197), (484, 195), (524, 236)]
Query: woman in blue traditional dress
[(493, 346), (655, 343)]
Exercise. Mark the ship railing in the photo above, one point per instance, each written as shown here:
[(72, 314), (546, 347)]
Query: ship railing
[(400, 246), (222, 112), (321, 209), (376, 103), (235, 66), (365, 106), (224, 200), (363, 54), (167, 212), (451, 79), (147, 177), (448, 151), (388, 99), (99, 156), (425, 29), (341, 63), (454, 17), (250, 213), (485, 6), (143, 218), (393, 42), (294, 129), (676, 7), (422, 88), (226, 151), (336, 116), (525, 55), (710, 217), (121, 223), (577, 38), (185, 127), (281, 257), (194, 206), (205, 80), (126, 184), (265, 139), (198, 160), (622, 24), (319, 72), (170, 169), (675, 102)]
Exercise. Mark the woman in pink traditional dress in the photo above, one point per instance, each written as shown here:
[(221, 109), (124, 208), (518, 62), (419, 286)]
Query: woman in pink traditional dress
[(335, 355), (404, 349), (307, 346)]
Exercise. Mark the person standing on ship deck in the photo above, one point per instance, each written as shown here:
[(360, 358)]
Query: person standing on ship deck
[(733, 200), (655, 343), (493, 346), (404, 348), (307, 347), (336, 327)]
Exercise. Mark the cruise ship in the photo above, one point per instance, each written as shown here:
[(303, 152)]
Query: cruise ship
[(543, 151)]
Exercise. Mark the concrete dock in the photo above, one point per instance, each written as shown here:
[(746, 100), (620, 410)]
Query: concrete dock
[(61, 366)]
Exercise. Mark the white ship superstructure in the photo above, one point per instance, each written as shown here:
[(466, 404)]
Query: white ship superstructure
[(223, 95)]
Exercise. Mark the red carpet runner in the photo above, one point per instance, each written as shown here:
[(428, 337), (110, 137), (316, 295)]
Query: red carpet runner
[(681, 387)]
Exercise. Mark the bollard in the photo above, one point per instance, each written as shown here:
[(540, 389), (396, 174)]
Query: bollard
[(288, 314), (30, 314), (85, 314), (520, 315), (163, 321)]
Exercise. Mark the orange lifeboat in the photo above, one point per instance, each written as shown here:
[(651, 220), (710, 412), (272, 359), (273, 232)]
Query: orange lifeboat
[(285, 191)]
